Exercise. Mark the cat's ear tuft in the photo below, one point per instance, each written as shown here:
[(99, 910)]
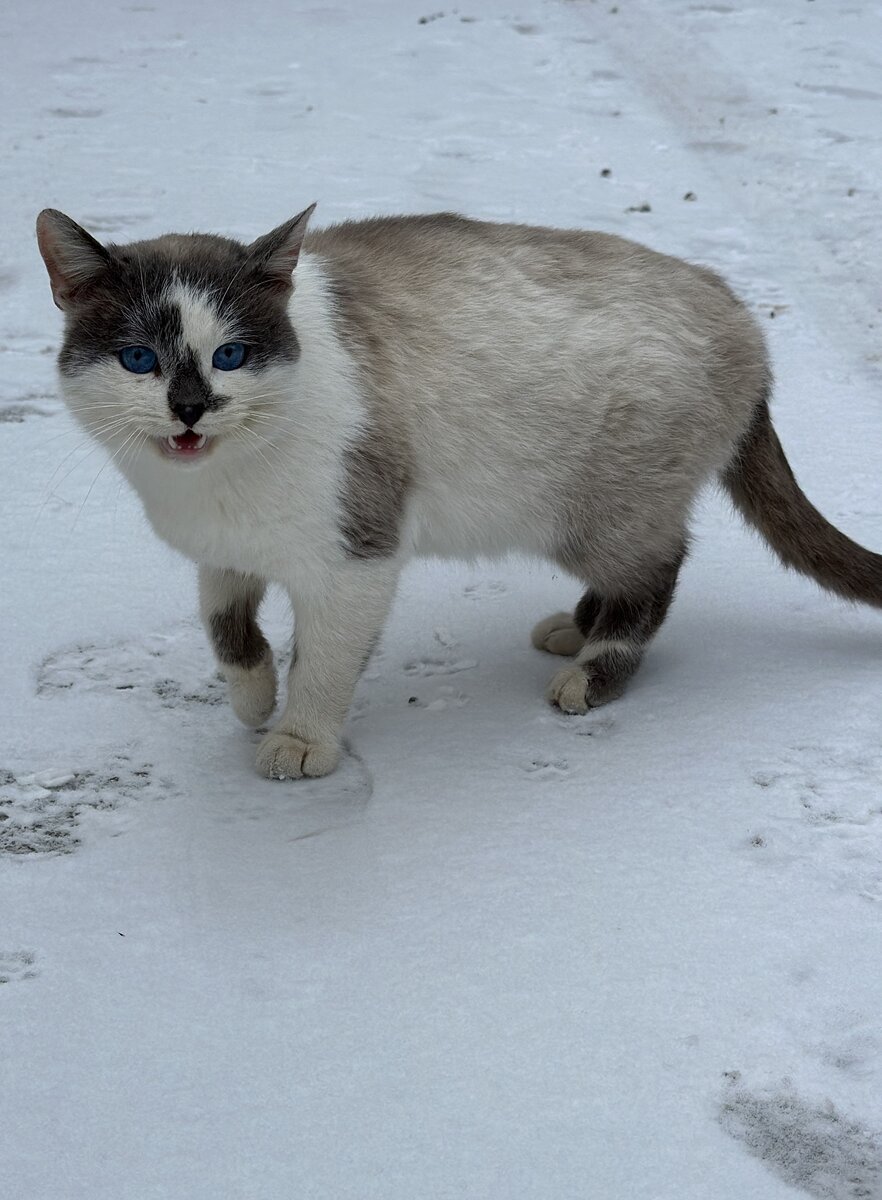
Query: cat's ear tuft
[(73, 258), (277, 252)]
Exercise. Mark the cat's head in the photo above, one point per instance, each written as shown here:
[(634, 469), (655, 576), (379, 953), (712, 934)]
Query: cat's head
[(177, 345)]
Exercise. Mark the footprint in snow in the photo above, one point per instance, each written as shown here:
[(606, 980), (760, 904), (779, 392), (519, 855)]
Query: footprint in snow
[(590, 726), (44, 812), (17, 414), (854, 1051), (75, 113), (810, 1145), (439, 666), (16, 965), (445, 697), (824, 807), (167, 670), (485, 589), (545, 768)]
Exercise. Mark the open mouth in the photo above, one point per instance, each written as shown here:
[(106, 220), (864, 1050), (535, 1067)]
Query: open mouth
[(188, 446)]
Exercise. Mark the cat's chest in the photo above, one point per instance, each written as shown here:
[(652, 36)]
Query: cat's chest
[(219, 534), (264, 531)]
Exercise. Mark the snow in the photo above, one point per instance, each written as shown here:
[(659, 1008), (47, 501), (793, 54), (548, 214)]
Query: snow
[(501, 953)]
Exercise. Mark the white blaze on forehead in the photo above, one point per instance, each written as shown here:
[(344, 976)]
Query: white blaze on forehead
[(203, 330)]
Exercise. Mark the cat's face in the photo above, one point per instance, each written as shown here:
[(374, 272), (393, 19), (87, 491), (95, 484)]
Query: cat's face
[(177, 347)]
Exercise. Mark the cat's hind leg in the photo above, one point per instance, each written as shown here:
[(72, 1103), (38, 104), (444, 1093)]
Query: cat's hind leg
[(558, 634), (229, 602), (617, 622)]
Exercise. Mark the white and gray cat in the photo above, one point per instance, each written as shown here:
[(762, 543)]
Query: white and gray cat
[(423, 385)]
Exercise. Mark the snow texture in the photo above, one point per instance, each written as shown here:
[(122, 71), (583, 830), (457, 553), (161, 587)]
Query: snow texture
[(500, 953)]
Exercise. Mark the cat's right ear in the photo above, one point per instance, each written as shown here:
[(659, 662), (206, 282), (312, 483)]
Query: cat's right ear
[(73, 258)]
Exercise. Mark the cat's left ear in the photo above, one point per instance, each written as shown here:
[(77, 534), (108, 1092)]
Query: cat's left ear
[(73, 258), (277, 252)]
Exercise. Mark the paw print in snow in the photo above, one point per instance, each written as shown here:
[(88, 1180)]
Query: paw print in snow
[(546, 768), (825, 809), (16, 965), (168, 670), (42, 813)]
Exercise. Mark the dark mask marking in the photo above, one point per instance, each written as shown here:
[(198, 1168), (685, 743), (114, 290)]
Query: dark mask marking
[(188, 387), (124, 305)]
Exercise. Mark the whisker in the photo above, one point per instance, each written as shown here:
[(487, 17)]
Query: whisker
[(52, 486), (271, 418), (239, 434), (137, 445), (271, 415), (104, 467), (73, 431), (134, 448), (111, 427)]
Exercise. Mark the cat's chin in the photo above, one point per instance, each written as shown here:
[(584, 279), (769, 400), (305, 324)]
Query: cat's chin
[(187, 448)]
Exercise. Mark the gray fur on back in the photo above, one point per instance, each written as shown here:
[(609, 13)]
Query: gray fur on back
[(579, 388)]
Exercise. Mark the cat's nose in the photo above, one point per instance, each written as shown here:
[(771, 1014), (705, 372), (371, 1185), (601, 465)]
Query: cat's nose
[(188, 413)]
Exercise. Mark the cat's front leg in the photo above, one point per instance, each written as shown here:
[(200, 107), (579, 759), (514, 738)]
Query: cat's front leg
[(229, 602), (336, 629)]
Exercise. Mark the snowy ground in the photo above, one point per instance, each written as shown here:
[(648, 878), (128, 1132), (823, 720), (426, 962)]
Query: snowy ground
[(501, 954)]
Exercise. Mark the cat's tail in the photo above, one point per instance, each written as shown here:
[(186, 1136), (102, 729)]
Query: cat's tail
[(765, 492)]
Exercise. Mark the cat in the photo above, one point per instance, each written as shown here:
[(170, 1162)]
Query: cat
[(314, 410)]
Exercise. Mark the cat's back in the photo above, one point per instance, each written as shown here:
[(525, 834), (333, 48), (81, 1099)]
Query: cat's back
[(408, 258), (439, 281), (490, 351), (449, 298)]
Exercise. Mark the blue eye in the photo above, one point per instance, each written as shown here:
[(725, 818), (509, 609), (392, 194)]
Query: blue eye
[(229, 357), (139, 359)]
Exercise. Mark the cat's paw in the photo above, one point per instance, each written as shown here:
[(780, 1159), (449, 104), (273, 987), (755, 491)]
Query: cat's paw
[(252, 692), (568, 690), (576, 689), (558, 634), (287, 756)]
